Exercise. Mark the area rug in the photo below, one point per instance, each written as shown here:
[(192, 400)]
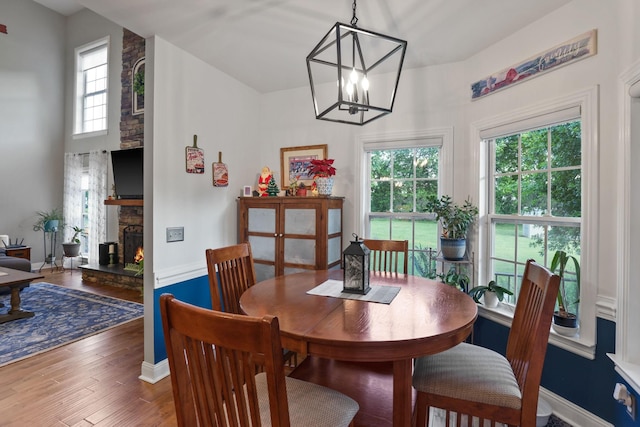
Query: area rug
[(62, 316)]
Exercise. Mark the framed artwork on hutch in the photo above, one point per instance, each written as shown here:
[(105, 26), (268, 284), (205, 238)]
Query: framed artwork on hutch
[(295, 161)]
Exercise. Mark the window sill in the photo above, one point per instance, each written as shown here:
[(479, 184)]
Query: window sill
[(629, 371), (90, 134), (503, 314)]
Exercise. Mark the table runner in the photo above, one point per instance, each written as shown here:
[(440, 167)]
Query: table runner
[(333, 288)]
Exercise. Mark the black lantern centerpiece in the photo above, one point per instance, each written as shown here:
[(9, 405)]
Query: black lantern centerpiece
[(356, 267)]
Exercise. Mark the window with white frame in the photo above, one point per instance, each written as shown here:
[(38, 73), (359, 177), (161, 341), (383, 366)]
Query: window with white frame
[(399, 177), (91, 87), (535, 200), (539, 178)]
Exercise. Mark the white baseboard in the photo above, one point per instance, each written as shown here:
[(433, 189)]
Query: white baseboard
[(154, 373), (570, 412)]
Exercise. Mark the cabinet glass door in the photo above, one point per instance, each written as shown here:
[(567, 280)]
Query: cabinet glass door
[(261, 228), (299, 237)]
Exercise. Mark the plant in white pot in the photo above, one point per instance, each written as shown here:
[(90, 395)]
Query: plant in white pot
[(492, 293), (456, 221), (72, 247), (323, 171), (565, 319)]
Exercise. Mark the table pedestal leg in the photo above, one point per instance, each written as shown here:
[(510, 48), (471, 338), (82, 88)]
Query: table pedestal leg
[(15, 312), (402, 393)]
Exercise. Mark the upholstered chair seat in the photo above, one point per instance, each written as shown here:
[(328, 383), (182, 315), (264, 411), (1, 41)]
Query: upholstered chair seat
[(309, 404), (471, 373)]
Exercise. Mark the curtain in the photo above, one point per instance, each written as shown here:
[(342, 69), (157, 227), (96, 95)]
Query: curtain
[(97, 229), (72, 197)]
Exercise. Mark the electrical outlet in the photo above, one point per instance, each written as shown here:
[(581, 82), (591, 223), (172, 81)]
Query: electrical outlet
[(175, 234), (631, 409)]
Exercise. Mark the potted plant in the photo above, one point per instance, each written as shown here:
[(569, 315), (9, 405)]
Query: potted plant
[(323, 172), (72, 247), (565, 319), (48, 220), (492, 293), (456, 278), (456, 221)]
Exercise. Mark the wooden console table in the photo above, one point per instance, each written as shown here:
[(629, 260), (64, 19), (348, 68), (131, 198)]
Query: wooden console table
[(22, 252)]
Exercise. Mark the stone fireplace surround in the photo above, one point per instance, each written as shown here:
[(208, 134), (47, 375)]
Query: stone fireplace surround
[(130, 215)]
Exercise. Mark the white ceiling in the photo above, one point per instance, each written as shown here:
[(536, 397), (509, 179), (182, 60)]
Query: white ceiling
[(264, 43)]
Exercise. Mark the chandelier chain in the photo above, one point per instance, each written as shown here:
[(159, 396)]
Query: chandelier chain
[(354, 19)]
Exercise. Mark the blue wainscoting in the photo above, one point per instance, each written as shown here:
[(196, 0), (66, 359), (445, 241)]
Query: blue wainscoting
[(194, 291), (587, 383)]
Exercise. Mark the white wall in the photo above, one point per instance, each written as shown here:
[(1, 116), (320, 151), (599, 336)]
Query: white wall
[(602, 70), (31, 118), (192, 98), (441, 97)]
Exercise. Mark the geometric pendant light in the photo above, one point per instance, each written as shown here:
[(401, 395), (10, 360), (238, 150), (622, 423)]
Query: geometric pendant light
[(354, 73)]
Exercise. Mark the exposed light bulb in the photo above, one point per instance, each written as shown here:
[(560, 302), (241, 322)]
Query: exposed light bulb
[(350, 89), (365, 83), (354, 76)]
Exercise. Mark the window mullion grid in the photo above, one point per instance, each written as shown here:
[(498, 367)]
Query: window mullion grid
[(549, 212), (415, 178), (519, 172)]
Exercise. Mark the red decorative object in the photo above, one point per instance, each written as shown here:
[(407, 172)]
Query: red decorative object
[(322, 168), (263, 181)]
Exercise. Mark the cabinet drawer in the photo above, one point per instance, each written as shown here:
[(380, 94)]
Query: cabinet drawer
[(20, 253)]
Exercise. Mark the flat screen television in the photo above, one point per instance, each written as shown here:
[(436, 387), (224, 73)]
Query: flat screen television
[(128, 173)]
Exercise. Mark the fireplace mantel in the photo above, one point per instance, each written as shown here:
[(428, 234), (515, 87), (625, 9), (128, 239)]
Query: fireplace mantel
[(124, 202)]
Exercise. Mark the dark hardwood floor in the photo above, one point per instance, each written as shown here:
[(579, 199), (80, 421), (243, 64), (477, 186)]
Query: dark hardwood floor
[(92, 382)]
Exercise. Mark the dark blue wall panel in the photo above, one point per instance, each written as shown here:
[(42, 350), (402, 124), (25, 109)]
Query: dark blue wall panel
[(194, 291), (587, 383)]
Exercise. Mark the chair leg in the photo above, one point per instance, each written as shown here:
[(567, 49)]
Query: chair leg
[(420, 411)]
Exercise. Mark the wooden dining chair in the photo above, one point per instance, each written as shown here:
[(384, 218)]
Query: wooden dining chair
[(235, 274), (231, 272), (478, 382), (213, 358), (387, 254)]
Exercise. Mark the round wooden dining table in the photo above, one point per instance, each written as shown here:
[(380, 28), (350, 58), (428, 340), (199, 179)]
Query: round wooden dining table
[(425, 317)]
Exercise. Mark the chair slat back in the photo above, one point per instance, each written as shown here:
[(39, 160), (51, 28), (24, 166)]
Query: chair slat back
[(213, 357), (527, 343), (386, 255), (235, 274)]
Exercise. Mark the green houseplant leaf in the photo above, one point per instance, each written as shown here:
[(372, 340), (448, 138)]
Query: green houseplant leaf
[(455, 219), (479, 291), (559, 266)]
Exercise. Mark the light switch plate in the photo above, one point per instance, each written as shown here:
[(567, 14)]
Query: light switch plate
[(175, 234)]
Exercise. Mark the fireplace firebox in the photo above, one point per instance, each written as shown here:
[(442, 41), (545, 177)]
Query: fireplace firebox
[(132, 236)]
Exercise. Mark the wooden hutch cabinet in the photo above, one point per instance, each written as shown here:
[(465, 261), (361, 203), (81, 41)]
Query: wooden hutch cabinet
[(291, 234)]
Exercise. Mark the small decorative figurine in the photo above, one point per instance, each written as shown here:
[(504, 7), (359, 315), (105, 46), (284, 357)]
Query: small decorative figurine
[(263, 181), (272, 188)]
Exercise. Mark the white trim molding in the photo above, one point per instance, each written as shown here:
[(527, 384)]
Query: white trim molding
[(626, 358), (153, 373), (570, 412)]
